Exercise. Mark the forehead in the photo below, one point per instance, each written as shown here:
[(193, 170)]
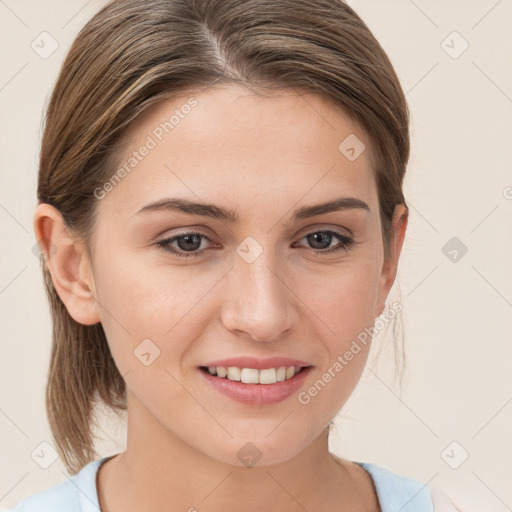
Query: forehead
[(239, 147)]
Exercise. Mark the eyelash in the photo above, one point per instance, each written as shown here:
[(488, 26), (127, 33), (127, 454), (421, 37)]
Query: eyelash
[(346, 243)]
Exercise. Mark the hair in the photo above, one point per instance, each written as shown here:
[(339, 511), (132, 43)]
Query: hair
[(135, 53)]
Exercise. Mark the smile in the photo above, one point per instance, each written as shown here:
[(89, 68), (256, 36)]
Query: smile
[(256, 387), (252, 375)]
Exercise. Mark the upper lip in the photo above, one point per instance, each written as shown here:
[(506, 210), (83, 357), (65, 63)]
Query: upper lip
[(257, 363)]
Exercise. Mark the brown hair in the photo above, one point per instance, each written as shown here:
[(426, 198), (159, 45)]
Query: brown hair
[(135, 53)]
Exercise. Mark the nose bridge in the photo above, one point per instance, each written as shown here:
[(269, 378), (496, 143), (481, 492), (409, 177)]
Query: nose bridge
[(257, 301)]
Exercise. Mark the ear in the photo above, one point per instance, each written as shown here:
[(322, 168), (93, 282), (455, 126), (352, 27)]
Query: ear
[(68, 264), (390, 266)]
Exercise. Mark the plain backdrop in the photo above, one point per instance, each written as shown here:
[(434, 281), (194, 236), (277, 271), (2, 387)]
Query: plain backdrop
[(450, 424)]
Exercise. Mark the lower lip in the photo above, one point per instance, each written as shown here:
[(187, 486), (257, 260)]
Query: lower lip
[(257, 394)]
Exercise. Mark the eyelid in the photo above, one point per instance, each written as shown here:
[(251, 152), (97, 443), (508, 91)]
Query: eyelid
[(326, 227), (180, 231)]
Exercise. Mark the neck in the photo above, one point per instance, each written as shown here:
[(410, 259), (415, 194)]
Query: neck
[(158, 472)]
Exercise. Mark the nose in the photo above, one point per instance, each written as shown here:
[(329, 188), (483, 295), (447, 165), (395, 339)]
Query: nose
[(259, 301)]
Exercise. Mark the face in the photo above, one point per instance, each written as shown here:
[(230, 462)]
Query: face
[(181, 290)]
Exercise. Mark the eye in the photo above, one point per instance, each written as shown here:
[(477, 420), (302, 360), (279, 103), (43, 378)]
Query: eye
[(325, 238), (188, 244)]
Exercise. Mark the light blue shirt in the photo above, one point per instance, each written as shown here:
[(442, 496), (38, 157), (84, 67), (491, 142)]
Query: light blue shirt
[(79, 494)]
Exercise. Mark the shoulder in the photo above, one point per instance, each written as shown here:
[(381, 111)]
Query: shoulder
[(398, 492), (75, 494), (58, 498)]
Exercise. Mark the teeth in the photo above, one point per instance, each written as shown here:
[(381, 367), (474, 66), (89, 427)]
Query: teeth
[(253, 376), (281, 373), (269, 376), (290, 372), (233, 373), (248, 376)]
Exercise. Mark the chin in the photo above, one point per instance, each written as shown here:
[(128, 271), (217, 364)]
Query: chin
[(257, 451)]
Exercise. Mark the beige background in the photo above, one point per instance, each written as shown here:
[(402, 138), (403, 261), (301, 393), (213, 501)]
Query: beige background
[(457, 314)]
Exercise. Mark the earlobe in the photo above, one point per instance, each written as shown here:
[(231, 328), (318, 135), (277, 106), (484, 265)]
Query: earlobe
[(68, 264)]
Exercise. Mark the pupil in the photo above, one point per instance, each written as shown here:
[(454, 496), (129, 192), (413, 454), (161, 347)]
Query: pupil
[(193, 239), (320, 235)]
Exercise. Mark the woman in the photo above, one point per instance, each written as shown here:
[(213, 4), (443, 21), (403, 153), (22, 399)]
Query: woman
[(221, 213)]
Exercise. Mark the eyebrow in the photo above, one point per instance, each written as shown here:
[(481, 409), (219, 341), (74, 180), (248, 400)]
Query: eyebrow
[(231, 216)]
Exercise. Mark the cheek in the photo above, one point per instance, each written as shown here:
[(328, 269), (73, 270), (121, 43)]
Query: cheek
[(344, 303), (344, 300), (140, 301)]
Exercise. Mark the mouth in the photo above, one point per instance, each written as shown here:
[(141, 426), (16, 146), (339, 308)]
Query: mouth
[(254, 376), (255, 381), (255, 386)]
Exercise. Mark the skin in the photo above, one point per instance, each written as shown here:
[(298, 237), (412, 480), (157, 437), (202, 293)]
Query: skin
[(263, 157)]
